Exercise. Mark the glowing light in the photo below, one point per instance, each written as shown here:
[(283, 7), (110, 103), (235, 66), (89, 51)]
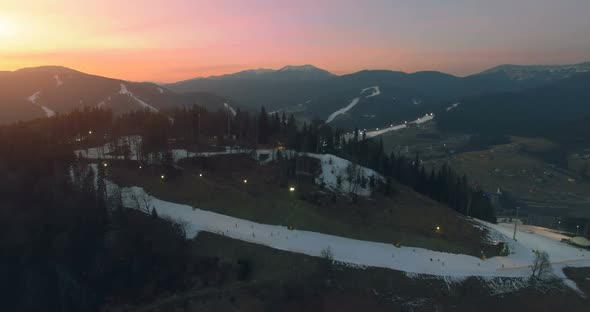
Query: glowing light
[(8, 28), (291, 189), (162, 176), (105, 164), (200, 174), (438, 228), (245, 181), (90, 132)]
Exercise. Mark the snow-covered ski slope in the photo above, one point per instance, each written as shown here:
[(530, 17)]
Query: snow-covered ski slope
[(334, 167), (374, 254), (377, 132), (376, 91), (353, 103), (367, 253), (34, 98), (143, 104), (421, 120), (231, 109), (343, 110)]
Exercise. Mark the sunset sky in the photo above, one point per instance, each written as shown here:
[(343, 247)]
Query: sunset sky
[(171, 40)]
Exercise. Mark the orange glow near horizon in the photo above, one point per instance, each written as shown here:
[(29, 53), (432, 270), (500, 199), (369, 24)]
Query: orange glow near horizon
[(165, 41)]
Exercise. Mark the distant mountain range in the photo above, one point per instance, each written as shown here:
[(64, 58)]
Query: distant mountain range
[(548, 110), (45, 91), (287, 73), (368, 98), (310, 92)]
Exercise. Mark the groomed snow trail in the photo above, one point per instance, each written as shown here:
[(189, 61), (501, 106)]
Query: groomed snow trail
[(343, 110), (34, 98), (453, 106), (372, 134), (230, 109), (353, 102), (376, 91), (125, 91), (374, 254), (58, 81)]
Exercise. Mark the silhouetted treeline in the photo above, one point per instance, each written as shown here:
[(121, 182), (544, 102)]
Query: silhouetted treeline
[(441, 184), (68, 245)]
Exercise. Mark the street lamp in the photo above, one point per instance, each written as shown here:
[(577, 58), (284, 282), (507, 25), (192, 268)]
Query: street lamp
[(245, 181), (200, 175), (291, 189), (162, 176)]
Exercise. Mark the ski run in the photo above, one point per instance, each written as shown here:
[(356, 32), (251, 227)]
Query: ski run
[(412, 260), (353, 103), (374, 254), (34, 98)]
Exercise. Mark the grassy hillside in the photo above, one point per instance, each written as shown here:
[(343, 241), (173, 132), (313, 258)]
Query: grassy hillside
[(407, 217)]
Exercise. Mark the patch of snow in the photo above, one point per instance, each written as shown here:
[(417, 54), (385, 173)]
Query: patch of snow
[(335, 168), (231, 109), (160, 90), (376, 91), (343, 110), (34, 98), (453, 106), (136, 99), (48, 112), (416, 102), (58, 81)]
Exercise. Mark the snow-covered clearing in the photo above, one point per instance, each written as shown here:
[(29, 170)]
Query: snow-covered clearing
[(343, 110), (58, 81), (335, 168), (48, 112), (34, 98), (136, 99), (231, 109), (453, 106), (367, 253), (353, 102)]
